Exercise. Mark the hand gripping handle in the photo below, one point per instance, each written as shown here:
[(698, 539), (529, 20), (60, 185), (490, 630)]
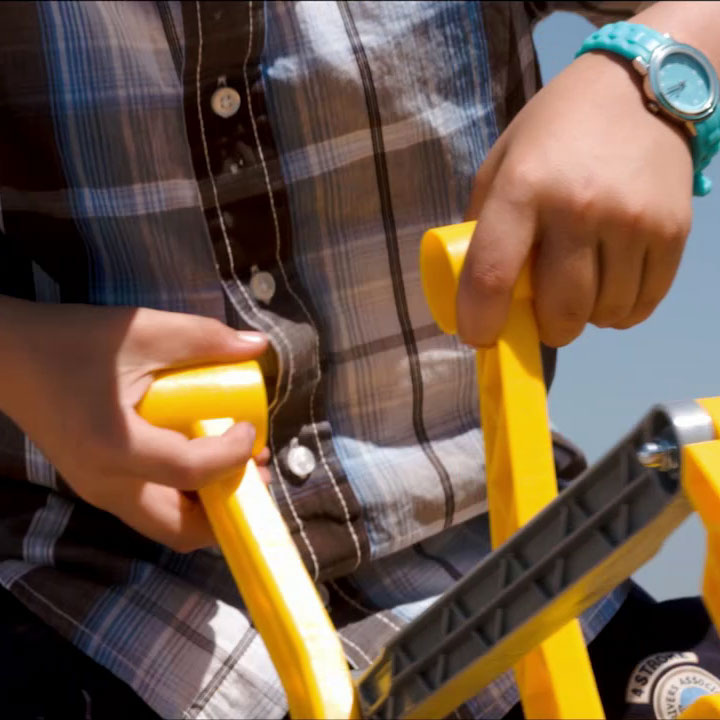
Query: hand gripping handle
[(281, 599), (555, 679)]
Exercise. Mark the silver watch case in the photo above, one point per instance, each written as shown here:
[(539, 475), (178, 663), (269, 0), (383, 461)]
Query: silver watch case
[(651, 84)]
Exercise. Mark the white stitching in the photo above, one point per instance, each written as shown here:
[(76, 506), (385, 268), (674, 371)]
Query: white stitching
[(279, 332), (316, 382)]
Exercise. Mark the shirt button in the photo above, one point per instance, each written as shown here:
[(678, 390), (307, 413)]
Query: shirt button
[(300, 460), (262, 285), (225, 101)]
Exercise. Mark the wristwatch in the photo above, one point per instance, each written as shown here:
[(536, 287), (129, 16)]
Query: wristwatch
[(679, 82)]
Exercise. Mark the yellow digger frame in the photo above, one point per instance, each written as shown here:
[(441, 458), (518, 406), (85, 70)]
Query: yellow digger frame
[(554, 677)]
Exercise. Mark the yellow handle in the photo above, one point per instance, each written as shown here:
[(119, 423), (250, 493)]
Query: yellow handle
[(555, 679), (280, 596), (442, 255), (700, 479)]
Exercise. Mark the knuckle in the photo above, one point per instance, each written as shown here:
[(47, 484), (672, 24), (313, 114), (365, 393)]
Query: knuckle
[(213, 325), (557, 338), (201, 328), (624, 215), (669, 228), (521, 180), (610, 314), (570, 315), (204, 330), (676, 229), (563, 326), (631, 215), (582, 203), (579, 202), (186, 474), (490, 279)]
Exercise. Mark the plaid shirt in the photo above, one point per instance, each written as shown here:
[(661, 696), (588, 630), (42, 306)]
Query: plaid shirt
[(274, 166)]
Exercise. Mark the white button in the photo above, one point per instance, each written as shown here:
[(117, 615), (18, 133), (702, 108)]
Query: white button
[(262, 286), (323, 593), (300, 459), (225, 101)]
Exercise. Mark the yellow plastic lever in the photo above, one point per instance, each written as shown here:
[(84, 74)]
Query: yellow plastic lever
[(555, 679), (701, 482), (278, 592)]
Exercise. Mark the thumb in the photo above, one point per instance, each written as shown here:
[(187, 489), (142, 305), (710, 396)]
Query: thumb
[(191, 339), (501, 242), (170, 458)]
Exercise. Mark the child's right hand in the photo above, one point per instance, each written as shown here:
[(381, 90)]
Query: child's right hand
[(71, 376)]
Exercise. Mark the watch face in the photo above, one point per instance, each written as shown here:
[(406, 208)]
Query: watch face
[(684, 81)]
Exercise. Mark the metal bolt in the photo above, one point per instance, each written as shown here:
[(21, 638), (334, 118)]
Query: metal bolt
[(658, 455)]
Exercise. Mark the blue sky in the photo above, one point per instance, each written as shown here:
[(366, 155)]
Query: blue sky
[(608, 379)]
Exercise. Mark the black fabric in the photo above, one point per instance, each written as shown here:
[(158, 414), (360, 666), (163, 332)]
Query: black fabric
[(653, 659), (44, 677)]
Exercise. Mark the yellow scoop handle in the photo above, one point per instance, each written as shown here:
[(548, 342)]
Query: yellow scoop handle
[(280, 596), (555, 679)]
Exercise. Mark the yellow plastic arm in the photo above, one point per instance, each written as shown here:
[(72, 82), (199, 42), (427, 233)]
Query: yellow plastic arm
[(555, 679), (700, 479), (278, 592), (701, 483)]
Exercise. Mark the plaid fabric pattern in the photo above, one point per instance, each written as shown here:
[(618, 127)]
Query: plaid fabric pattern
[(359, 126)]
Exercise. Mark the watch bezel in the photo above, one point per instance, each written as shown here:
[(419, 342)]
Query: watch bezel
[(656, 61)]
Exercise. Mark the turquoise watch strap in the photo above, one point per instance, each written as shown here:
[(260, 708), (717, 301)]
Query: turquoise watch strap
[(704, 147), (627, 39), (632, 40)]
